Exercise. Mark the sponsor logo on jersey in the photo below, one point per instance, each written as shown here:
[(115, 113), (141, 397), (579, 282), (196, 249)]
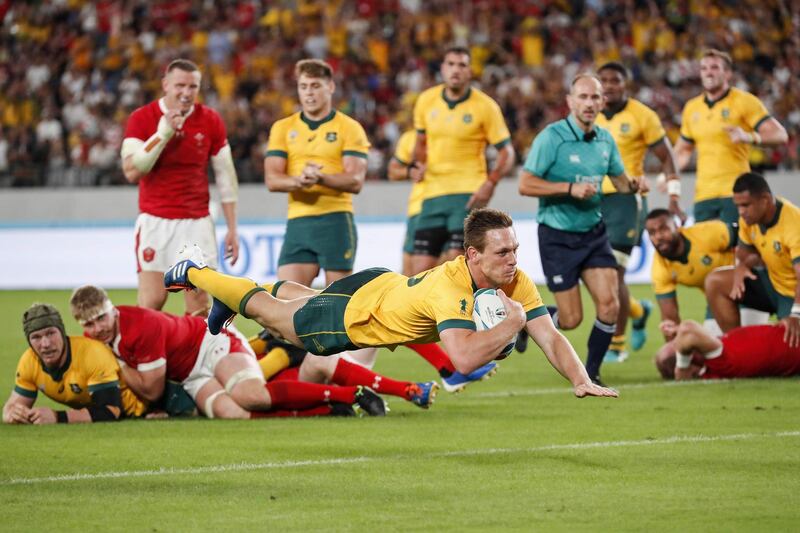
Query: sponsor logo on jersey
[(75, 388), (574, 158), (776, 245), (292, 135)]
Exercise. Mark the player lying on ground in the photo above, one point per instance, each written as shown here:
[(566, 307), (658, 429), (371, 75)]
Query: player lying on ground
[(77, 372), (376, 307), (220, 372), (745, 352)]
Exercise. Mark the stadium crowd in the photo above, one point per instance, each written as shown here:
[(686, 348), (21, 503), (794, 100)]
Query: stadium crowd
[(71, 71)]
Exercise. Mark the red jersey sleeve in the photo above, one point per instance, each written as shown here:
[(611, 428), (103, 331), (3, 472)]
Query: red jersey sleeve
[(137, 126)]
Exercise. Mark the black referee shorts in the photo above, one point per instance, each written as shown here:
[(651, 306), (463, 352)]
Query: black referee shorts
[(565, 254)]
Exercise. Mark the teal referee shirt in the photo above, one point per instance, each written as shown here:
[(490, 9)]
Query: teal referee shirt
[(560, 154)]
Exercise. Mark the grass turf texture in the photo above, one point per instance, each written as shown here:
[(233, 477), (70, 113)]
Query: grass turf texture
[(518, 452)]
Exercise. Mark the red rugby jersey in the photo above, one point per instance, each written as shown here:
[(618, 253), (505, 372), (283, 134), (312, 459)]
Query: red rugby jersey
[(177, 186)]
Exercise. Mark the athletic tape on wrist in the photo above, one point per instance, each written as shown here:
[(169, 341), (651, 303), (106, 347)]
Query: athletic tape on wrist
[(674, 187), (682, 361)]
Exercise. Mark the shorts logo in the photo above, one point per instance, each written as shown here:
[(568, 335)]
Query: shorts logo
[(776, 245), (148, 254), (625, 127), (75, 388), (330, 136), (706, 260), (467, 118), (558, 278)]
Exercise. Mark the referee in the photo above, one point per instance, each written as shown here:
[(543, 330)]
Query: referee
[(564, 169)]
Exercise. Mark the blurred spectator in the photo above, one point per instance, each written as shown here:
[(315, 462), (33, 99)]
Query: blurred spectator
[(66, 68)]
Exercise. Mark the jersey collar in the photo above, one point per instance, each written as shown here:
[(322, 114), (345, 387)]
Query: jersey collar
[(611, 112), (58, 373), (711, 103), (778, 207), (314, 124), (453, 103), (576, 129), (163, 107)]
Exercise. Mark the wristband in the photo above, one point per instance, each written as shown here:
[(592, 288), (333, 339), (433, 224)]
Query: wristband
[(755, 138), (674, 187), (569, 189), (61, 417), (795, 312), (682, 360)]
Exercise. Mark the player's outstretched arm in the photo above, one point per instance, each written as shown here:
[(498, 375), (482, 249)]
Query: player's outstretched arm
[(17, 409), (563, 357)]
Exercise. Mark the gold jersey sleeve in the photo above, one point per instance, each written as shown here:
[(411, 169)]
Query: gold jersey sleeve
[(404, 153), (392, 309), (325, 142), (635, 128), (457, 133), (90, 367), (778, 244), (719, 160)]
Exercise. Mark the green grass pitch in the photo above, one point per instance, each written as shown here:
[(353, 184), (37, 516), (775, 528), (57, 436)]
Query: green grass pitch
[(518, 452)]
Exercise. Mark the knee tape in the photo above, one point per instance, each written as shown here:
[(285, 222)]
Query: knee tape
[(208, 408), (243, 375)]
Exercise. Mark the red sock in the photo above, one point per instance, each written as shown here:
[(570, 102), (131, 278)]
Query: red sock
[(321, 410), (437, 357), (348, 373), (302, 395)]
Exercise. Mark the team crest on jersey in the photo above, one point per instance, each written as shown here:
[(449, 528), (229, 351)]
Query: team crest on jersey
[(726, 113), (776, 245), (706, 260), (695, 117), (148, 254), (467, 118), (75, 388), (330, 136), (463, 306), (198, 137), (625, 127)]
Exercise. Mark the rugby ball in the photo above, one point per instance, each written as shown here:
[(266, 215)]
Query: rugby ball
[(487, 312)]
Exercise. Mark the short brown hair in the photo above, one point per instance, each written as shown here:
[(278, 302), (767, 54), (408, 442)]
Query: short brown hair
[(313, 68), (481, 221), (87, 301), (724, 56), (182, 64)]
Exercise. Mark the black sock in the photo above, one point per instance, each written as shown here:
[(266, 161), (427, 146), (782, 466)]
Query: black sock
[(553, 310), (599, 339)]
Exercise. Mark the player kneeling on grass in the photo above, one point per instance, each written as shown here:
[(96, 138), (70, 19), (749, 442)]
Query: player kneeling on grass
[(745, 352), (78, 372), (377, 307)]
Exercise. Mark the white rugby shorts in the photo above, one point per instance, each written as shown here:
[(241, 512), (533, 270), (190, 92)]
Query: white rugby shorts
[(212, 350), (158, 241)]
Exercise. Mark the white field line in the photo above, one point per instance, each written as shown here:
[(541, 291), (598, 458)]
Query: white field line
[(629, 386), (249, 467)]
